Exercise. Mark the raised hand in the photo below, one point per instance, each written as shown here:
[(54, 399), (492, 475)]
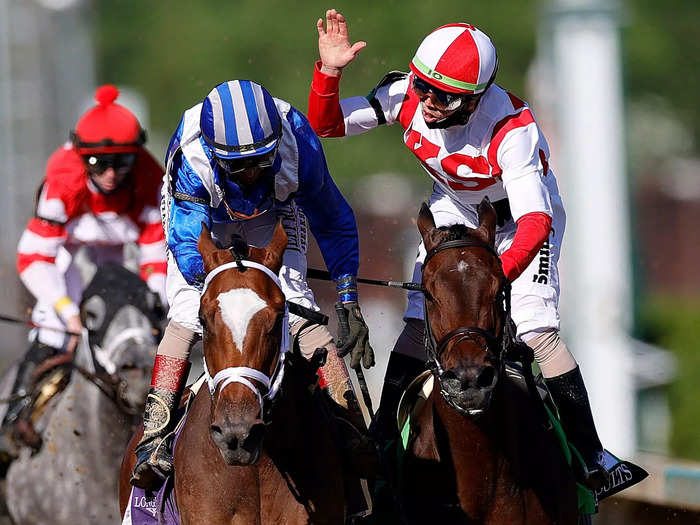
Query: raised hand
[(334, 44)]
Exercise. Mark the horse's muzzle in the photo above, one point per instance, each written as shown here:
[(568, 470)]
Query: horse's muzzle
[(239, 443), (469, 389)]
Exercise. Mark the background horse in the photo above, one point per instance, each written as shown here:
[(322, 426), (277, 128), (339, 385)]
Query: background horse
[(72, 479), (248, 454), (478, 450)]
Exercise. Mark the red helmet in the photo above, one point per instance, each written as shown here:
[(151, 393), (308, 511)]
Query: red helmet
[(457, 58), (107, 127)]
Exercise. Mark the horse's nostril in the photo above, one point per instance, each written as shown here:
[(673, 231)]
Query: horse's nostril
[(254, 437), (486, 377), (216, 429)]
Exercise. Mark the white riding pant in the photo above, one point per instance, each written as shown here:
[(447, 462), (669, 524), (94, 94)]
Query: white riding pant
[(534, 294), (184, 298)]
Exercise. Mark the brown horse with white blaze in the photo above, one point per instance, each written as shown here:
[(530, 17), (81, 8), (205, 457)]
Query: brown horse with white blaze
[(255, 447), (478, 450)]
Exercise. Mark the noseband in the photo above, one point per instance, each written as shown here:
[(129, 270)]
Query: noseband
[(495, 345), (243, 374)]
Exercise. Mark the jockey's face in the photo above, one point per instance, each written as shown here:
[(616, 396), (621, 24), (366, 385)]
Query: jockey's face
[(433, 112), (109, 180), (437, 105), (109, 171)]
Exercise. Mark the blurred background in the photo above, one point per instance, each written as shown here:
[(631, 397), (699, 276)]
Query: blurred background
[(613, 85)]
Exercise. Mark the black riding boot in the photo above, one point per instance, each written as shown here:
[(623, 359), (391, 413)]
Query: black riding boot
[(570, 396), (154, 460), (20, 397), (400, 372)]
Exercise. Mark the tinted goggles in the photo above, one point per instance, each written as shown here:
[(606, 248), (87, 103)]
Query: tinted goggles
[(445, 101), (120, 162), (239, 164)]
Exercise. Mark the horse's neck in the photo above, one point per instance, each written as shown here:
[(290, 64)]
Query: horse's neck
[(98, 414), (506, 434), (296, 415)]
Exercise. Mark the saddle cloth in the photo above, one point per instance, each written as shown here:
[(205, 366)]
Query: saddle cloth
[(159, 508)]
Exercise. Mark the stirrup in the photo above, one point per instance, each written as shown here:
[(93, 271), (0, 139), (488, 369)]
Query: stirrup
[(154, 463)]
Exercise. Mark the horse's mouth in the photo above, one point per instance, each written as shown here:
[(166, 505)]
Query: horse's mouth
[(240, 457), (469, 402), (239, 446)]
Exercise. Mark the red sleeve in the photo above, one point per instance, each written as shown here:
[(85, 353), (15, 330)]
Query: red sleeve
[(39, 242), (325, 115), (533, 230)]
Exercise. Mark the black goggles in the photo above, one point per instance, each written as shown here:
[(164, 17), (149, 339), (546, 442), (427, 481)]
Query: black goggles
[(241, 164), (120, 162), (446, 101)]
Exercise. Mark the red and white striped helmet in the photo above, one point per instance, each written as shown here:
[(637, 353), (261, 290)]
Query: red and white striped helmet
[(457, 58)]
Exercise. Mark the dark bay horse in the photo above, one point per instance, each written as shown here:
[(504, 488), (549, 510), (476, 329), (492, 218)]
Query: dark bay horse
[(255, 447), (478, 451)]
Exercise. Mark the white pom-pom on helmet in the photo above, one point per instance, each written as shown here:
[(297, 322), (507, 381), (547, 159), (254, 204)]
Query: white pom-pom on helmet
[(456, 58)]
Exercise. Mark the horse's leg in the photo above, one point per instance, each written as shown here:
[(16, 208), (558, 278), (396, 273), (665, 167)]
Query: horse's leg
[(127, 466)]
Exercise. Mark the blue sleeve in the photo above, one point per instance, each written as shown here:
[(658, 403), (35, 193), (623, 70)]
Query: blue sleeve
[(186, 220), (331, 218)]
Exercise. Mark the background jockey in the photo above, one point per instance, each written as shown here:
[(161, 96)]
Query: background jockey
[(239, 162), (474, 139), (101, 192)]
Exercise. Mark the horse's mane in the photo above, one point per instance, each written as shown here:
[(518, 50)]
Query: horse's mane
[(457, 232)]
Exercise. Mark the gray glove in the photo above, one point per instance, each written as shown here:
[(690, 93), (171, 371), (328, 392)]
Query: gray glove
[(353, 335)]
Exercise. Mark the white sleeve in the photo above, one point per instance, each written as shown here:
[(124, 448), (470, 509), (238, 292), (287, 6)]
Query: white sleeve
[(360, 116), (520, 157)]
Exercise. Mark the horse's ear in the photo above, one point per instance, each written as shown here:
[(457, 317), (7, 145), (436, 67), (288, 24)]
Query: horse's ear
[(426, 227), (206, 248), (487, 221), (275, 249)]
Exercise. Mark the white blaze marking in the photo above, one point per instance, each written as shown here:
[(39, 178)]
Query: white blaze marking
[(237, 309), (462, 266)]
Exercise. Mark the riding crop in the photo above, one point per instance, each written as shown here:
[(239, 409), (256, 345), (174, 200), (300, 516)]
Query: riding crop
[(323, 275), (32, 324)]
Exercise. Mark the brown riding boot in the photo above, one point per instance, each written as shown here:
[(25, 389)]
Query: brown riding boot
[(154, 460)]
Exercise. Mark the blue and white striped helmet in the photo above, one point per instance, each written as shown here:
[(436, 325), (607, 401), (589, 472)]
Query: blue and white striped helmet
[(239, 119)]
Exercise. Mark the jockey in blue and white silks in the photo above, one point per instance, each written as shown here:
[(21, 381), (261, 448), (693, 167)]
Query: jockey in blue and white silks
[(239, 162), (200, 190)]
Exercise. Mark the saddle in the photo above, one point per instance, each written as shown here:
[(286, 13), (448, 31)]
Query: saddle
[(50, 379)]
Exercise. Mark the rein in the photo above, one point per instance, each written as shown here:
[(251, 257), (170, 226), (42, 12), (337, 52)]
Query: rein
[(243, 374)]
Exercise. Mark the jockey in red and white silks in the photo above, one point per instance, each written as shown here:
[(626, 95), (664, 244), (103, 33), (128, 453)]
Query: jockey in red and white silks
[(101, 192), (76, 209), (475, 140), (500, 153)]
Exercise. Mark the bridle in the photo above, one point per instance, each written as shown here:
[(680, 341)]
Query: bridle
[(244, 374), (496, 346)]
